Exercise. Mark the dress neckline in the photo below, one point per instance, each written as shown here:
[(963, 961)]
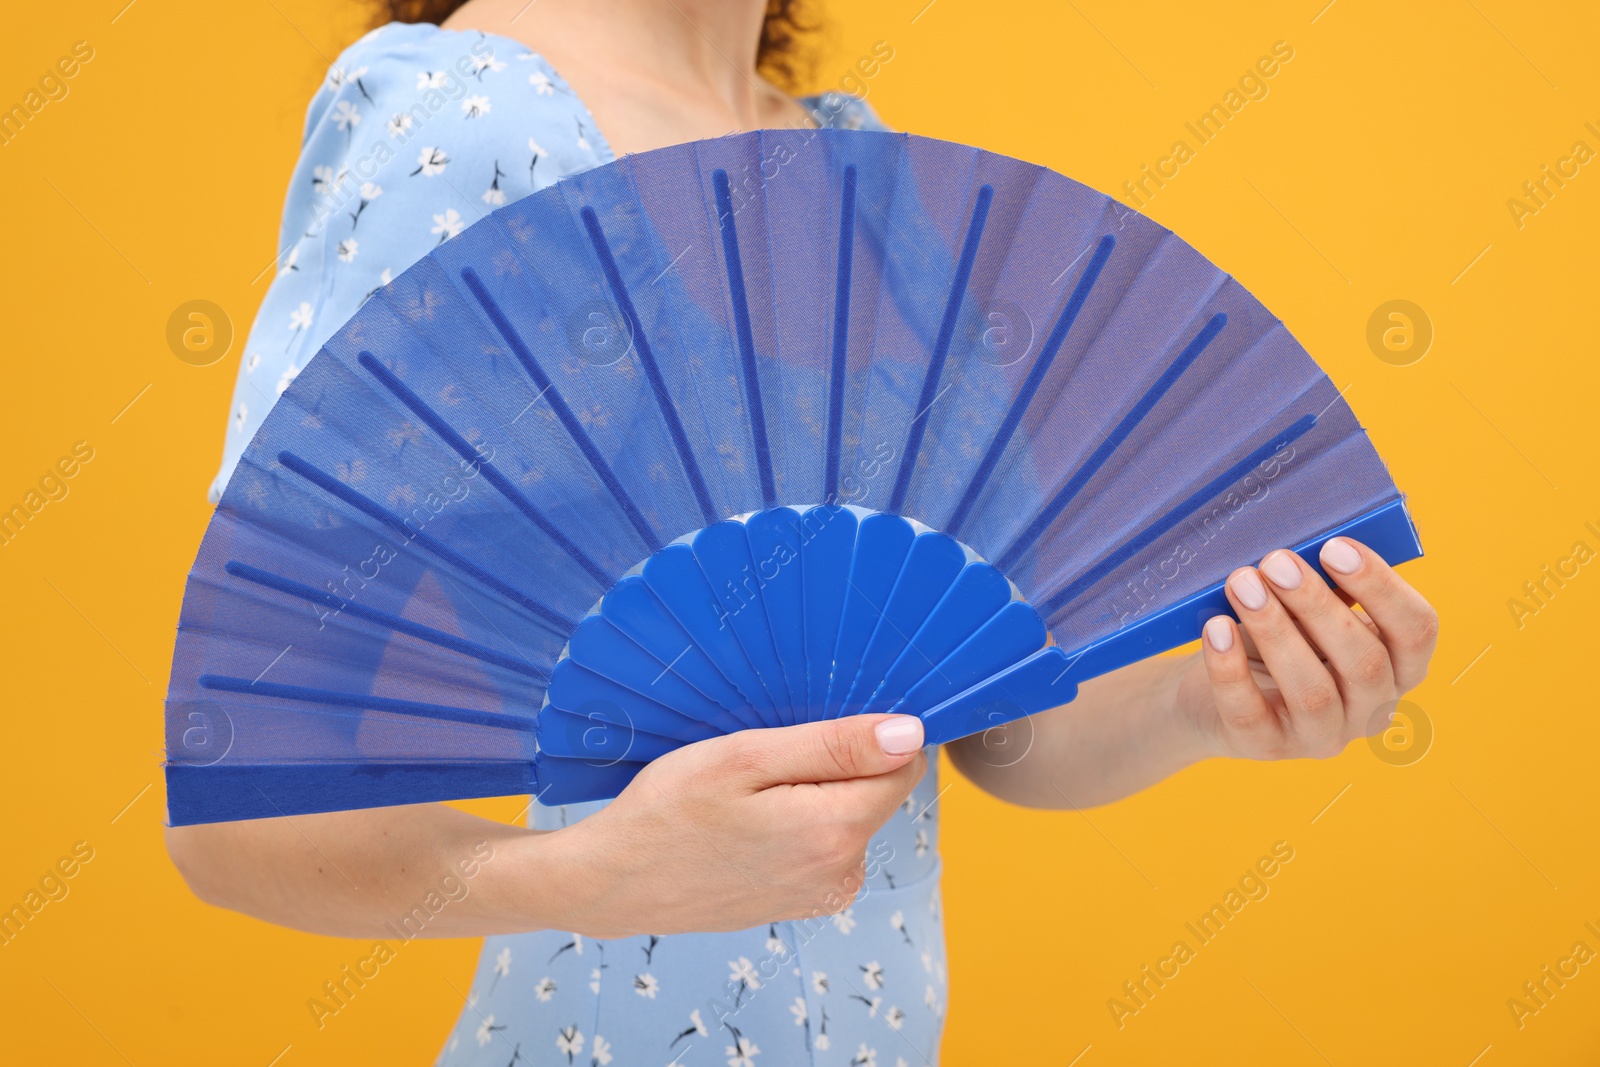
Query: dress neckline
[(597, 137)]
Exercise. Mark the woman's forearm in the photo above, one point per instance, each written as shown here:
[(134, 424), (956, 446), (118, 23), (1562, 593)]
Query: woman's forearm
[(420, 870), (1119, 736)]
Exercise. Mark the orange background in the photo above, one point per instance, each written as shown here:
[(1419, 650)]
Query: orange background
[(1420, 897)]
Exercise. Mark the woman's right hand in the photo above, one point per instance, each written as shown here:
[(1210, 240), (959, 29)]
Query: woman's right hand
[(736, 831)]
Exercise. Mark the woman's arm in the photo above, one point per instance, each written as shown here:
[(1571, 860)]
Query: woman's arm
[(1308, 675), (365, 873)]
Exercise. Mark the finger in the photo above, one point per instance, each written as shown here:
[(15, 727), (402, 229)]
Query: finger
[(855, 746), (1252, 725), (1316, 711), (1407, 623), (1359, 661)]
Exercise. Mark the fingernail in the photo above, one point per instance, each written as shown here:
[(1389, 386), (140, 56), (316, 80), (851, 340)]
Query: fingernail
[(899, 735), (1281, 567), (1219, 635), (1248, 588), (1341, 555)]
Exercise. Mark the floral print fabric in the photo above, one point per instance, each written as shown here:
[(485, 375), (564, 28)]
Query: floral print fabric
[(862, 988), (417, 133)]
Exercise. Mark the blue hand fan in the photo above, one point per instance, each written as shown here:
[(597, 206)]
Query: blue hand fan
[(743, 433)]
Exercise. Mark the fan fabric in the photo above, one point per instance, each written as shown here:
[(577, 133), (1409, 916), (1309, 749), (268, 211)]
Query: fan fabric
[(703, 332)]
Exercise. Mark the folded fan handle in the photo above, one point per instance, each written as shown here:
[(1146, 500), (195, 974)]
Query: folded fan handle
[(1050, 677)]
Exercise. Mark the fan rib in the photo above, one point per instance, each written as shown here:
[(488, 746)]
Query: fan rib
[(1143, 538), (841, 334), (647, 359), (336, 488), (941, 348), (1097, 459), (635, 610), (975, 597), (1030, 386), (467, 648), (334, 698), (492, 473), (558, 404), (734, 267)]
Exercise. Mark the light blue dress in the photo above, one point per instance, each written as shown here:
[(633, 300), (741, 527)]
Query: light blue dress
[(417, 133)]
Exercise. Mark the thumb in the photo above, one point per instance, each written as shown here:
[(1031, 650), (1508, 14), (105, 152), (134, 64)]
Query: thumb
[(855, 746)]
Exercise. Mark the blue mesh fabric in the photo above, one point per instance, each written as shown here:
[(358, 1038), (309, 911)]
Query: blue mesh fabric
[(544, 401)]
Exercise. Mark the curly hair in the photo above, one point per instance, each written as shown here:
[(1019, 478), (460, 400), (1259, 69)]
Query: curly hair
[(783, 56)]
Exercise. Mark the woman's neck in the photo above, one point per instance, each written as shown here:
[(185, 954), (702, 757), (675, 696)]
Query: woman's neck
[(669, 49)]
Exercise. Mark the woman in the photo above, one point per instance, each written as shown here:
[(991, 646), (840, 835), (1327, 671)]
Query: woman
[(765, 897)]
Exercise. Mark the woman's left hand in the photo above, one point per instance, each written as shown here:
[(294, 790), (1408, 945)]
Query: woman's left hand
[(1309, 673)]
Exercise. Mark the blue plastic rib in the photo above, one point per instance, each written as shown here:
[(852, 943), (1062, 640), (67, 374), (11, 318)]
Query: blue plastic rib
[(675, 577), (931, 568), (734, 267), (340, 605), (841, 335), (941, 348), (827, 545), (882, 543), (599, 646), (647, 359), (1050, 677), (1129, 422), (976, 596), (1013, 633), (1142, 540), (1030, 386), (471, 455), (774, 537), (334, 487), (578, 689), (723, 553), (632, 607), (332, 698), (558, 404), (578, 736)]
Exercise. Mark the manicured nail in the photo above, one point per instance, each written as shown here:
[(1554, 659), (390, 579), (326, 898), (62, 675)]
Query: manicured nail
[(1219, 635), (1281, 567), (900, 735), (1340, 555), (1248, 588)]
